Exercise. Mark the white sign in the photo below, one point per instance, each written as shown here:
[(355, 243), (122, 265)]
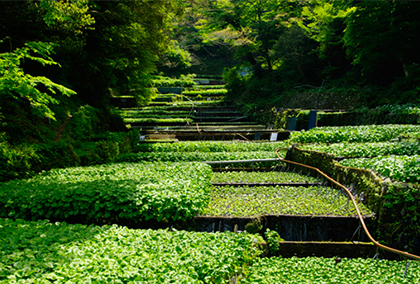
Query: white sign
[(273, 137)]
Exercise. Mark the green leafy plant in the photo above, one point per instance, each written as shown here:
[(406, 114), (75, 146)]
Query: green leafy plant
[(327, 270), (244, 201), (365, 133), (58, 252), (158, 120), (260, 177), (208, 87), (366, 149), (116, 193), (400, 168), (211, 146), (273, 241), (183, 81), (201, 156), (16, 84), (254, 227), (210, 92)]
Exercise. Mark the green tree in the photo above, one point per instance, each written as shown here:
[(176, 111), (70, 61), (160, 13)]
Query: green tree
[(100, 45), (17, 85), (295, 48), (324, 22), (123, 49), (384, 35), (249, 27)]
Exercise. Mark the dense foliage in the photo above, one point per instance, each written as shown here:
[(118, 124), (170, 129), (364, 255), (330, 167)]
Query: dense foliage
[(116, 193), (202, 156), (268, 177), (400, 168), (183, 81), (332, 270), (367, 149), (42, 252), (353, 134), (158, 120), (103, 47), (339, 53), (205, 92), (210, 146), (247, 201), (23, 161)]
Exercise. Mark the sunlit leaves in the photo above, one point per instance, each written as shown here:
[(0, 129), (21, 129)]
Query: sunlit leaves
[(68, 16), (364, 133), (117, 193), (182, 81), (198, 156), (367, 149), (251, 177), (275, 200), (43, 252), (400, 168), (17, 84), (328, 270), (211, 146)]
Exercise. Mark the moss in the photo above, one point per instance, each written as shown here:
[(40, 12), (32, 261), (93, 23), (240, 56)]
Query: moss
[(254, 227)]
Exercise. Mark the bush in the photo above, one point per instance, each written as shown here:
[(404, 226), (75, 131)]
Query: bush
[(83, 123), (16, 161), (54, 155)]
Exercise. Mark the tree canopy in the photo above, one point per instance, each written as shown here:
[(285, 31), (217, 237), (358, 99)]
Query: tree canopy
[(99, 48), (317, 43), (89, 47)]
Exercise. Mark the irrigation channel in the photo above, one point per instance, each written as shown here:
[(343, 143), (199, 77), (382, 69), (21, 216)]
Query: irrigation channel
[(315, 216)]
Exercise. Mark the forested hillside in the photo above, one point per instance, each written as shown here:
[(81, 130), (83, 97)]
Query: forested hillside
[(348, 53), (91, 47)]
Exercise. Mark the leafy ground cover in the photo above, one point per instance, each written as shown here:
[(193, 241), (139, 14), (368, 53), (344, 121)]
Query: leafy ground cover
[(247, 201), (183, 81), (153, 109), (366, 149), (187, 103), (158, 120), (400, 168), (202, 151), (250, 177), (43, 252), (330, 270), (152, 113), (361, 134), (209, 87), (205, 92), (115, 193), (195, 156), (211, 146), (181, 116)]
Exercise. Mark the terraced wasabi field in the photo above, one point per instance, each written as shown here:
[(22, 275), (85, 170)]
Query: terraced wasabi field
[(133, 221), (246, 201)]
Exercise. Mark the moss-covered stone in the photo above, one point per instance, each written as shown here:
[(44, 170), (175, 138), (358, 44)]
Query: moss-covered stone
[(396, 206)]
